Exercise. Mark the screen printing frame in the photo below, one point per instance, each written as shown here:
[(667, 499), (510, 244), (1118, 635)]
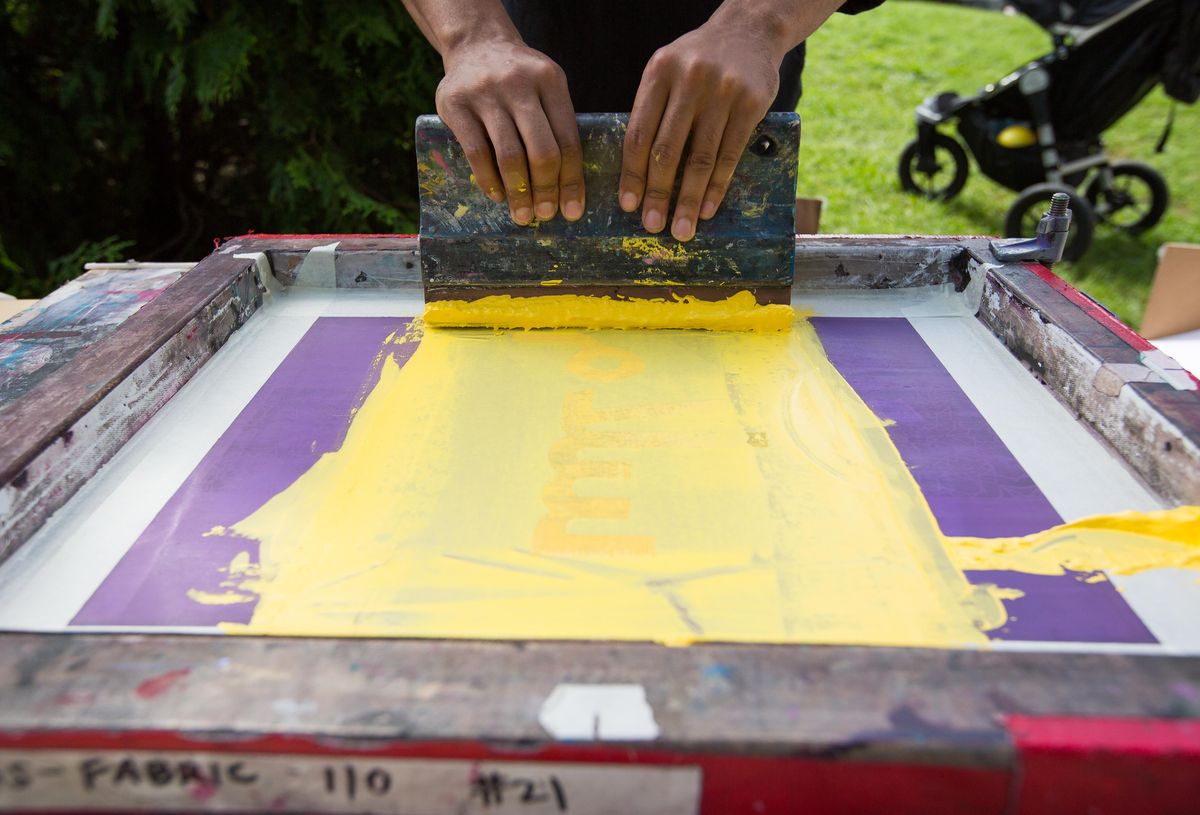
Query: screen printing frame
[(944, 715)]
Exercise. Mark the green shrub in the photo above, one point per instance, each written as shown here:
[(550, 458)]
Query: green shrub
[(167, 123)]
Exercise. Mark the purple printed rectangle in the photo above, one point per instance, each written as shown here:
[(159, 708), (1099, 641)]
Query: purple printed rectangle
[(299, 414), (1071, 607), (972, 482)]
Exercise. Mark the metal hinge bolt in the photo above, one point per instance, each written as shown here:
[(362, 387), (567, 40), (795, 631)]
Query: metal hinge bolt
[(1047, 246)]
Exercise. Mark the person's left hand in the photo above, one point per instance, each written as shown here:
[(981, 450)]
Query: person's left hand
[(715, 84)]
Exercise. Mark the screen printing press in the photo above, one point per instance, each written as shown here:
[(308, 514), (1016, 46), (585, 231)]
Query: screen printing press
[(204, 610)]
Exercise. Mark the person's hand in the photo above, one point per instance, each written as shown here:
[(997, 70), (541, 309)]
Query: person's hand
[(509, 107), (715, 84)]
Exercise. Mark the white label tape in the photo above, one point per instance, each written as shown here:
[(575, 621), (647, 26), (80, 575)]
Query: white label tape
[(173, 781)]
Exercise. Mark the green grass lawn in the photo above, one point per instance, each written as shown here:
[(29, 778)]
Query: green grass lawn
[(867, 73)]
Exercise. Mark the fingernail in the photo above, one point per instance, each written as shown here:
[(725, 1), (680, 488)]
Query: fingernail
[(628, 201), (545, 210), (708, 210), (573, 210), (654, 220), (682, 230), (522, 215)]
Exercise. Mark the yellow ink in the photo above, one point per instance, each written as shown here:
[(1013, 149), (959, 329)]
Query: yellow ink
[(634, 485), (1125, 544), (599, 362), (655, 249), (668, 486), (1001, 593), (462, 210), (756, 209), (433, 178), (739, 312), (241, 566), (228, 598), (555, 282)]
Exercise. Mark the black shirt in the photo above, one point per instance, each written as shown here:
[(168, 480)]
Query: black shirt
[(603, 45)]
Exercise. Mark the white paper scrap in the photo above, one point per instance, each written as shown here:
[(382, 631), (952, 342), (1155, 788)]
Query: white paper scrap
[(598, 713)]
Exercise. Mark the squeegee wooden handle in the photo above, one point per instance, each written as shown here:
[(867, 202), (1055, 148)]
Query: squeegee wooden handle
[(469, 242)]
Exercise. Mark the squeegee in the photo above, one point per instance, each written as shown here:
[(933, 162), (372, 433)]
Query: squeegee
[(480, 269)]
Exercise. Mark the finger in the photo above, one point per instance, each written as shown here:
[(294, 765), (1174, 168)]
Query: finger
[(737, 135), (474, 142), (644, 119), (561, 115), (698, 169), (510, 158), (665, 153), (541, 153)]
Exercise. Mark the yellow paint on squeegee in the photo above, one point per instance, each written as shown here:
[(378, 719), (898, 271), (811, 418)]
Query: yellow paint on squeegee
[(636, 485), (739, 312), (1126, 543), (653, 250)]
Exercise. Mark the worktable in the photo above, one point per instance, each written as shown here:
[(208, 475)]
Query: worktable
[(1015, 401)]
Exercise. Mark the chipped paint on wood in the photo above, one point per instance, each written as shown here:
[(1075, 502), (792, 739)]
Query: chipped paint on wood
[(1154, 427), (66, 427)]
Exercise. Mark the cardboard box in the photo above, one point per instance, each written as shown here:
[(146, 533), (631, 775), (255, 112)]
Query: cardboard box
[(1174, 304), (808, 215), (1172, 319)]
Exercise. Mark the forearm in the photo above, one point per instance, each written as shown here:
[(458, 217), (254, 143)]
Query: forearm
[(781, 24), (449, 24)]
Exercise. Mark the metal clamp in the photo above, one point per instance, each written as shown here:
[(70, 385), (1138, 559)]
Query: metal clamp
[(1047, 246)]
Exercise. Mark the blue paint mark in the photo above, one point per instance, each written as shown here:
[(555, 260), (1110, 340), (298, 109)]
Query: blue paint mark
[(719, 671)]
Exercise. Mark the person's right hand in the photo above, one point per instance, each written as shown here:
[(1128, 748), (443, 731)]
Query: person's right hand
[(509, 107)]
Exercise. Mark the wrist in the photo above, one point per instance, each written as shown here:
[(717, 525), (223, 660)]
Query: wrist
[(777, 25), (474, 33), (765, 22)]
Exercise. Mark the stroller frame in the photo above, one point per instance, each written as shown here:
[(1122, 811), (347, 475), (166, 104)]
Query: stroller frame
[(1033, 83)]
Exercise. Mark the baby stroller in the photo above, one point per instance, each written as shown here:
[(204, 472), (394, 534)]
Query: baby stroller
[(1039, 130)]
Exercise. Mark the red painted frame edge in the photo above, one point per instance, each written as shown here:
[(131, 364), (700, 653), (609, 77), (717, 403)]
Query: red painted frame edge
[(731, 783)]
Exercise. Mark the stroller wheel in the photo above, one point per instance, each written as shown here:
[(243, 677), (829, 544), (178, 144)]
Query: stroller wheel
[(1033, 202), (949, 170), (1131, 196)]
